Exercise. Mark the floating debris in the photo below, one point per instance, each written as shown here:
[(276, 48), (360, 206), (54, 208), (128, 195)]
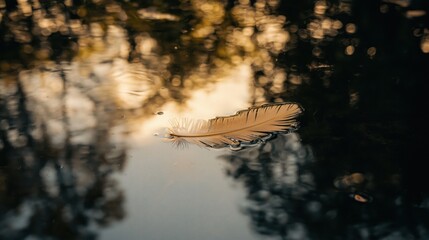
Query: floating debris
[(361, 197)]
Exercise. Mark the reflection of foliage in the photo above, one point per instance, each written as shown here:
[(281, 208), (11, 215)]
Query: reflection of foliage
[(289, 197), (363, 101), (188, 43), (52, 29), (362, 84), (55, 182), (357, 67)]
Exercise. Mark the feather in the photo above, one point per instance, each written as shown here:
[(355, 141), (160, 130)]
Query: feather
[(245, 126)]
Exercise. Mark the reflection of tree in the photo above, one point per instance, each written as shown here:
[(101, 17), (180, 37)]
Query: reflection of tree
[(363, 94), (187, 43), (92, 63), (365, 102), (291, 197), (56, 180)]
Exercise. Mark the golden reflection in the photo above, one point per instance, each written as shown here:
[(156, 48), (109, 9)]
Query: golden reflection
[(425, 41), (259, 34), (320, 7), (351, 28), (295, 79), (345, 7), (371, 52), (272, 35), (322, 26), (150, 14), (415, 13), (211, 14), (136, 77), (337, 24), (349, 50), (402, 3), (278, 82), (25, 7)]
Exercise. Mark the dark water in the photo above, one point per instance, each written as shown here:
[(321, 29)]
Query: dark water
[(84, 86)]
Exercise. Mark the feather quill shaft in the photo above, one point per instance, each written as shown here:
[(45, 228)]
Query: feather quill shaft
[(243, 127)]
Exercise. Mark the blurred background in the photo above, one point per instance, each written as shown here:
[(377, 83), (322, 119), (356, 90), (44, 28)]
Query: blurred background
[(87, 88)]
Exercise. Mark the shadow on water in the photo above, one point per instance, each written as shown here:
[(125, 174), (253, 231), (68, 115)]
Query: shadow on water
[(76, 76)]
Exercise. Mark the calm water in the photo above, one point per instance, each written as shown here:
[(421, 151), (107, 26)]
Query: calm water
[(87, 89)]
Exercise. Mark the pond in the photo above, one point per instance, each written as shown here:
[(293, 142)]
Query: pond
[(89, 91)]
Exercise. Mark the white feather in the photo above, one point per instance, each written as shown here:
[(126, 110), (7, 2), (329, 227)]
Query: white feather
[(243, 127)]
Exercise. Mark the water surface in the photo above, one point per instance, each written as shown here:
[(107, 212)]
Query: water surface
[(87, 89)]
